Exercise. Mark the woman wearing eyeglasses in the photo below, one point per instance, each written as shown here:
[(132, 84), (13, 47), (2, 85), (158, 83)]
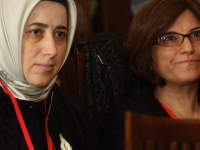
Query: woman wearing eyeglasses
[(163, 47)]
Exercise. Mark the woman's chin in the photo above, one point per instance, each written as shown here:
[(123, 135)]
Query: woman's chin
[(40, 83)]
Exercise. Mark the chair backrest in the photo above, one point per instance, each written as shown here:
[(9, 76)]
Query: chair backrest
[(79, 73), (143, 132)]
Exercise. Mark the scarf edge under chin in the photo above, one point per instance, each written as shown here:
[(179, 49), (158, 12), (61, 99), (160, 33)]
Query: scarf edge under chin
[(36, 95)]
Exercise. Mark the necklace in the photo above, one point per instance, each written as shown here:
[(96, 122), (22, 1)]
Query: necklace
[(182, 117)]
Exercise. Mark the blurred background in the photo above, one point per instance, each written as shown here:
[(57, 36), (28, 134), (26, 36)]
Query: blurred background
[(96, 16)]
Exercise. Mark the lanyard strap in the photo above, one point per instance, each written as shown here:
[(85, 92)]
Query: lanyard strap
[(20, 118), (22, 123), (49, 143)]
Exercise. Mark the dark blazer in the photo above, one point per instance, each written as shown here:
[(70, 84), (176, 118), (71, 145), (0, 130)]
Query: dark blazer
[(112, 133)]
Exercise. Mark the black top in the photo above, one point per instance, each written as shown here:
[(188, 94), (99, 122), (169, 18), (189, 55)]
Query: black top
[(67, 117), (112, 133), (34, 115)]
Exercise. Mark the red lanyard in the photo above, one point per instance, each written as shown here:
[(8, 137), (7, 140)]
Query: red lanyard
[(171, 114), (49, 143), (22, 123)]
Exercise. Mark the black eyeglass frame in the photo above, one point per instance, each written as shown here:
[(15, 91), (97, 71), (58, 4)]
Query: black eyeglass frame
[(158, 40)]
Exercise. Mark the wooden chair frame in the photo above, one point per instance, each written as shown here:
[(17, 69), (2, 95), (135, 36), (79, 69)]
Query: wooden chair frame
[(143, 132), (79, 65)]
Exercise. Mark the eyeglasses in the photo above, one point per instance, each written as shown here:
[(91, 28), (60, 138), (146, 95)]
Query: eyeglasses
[(176, 39)]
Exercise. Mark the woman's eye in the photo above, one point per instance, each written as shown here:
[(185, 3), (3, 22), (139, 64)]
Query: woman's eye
[(171, 39), (36, 32), (60, 34), (196, 34), (168, 38)]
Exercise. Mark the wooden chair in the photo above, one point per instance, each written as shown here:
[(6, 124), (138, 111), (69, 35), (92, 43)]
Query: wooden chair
[(79, 73), (144, 132), (72, 76)]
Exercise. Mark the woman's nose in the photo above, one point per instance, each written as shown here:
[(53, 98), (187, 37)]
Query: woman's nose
[(49, 47), (187, 46)]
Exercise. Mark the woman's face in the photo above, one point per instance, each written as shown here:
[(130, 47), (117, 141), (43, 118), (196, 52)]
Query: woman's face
[(44, 43), (179, 64)]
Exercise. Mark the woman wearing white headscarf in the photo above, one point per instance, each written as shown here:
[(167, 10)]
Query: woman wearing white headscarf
[(35, 39)]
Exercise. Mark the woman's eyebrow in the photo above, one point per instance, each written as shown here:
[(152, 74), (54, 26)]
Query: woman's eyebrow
[(193, 29), (38, 24), (61, 27), (46, 26), (172, 32)]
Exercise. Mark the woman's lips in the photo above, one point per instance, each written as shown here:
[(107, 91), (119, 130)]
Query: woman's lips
[(45, 67), (188, 62)]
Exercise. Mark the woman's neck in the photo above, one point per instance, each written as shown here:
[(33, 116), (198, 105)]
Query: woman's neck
[(181, 100)]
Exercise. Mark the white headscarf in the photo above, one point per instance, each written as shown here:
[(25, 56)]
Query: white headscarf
[(13, 17)]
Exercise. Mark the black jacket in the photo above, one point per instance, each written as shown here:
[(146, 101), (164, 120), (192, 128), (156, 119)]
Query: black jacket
[(108, 76), (66, 116), (112, 133)]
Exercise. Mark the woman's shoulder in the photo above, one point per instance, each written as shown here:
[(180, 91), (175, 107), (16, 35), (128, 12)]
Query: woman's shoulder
[(144, 104), (112, 131), (137, 103), (67, 104), (61, 95)]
